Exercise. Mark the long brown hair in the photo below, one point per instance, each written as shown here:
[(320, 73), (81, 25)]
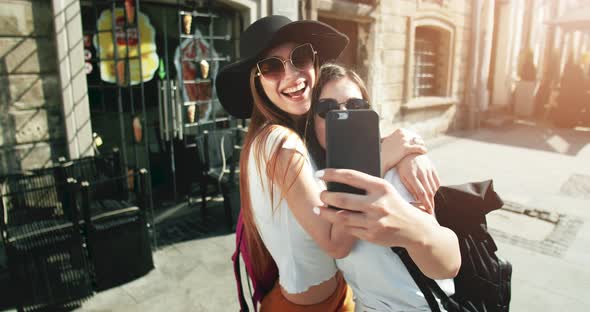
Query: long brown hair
[(266, 116), (328, 72)]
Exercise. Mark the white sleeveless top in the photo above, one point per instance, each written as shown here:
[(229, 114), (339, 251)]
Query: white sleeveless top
[(300, 260), (378, 277)]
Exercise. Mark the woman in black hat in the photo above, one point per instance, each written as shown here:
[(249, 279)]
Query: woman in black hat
[(272, 85)]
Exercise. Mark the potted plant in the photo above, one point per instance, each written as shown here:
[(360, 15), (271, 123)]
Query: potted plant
[(525, 86)]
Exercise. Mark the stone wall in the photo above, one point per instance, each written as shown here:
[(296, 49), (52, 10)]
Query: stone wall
[(31, 123), (384, 63)]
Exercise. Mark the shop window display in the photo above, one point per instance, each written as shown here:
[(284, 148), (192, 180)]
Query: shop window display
[(153, 120)]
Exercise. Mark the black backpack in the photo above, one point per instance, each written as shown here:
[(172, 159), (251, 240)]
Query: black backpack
[(483, 281)]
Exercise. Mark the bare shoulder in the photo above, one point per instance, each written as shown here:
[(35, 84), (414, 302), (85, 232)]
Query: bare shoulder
[(273, 138)]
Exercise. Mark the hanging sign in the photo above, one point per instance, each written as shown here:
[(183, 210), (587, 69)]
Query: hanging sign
[(126, 44), (197, 62)]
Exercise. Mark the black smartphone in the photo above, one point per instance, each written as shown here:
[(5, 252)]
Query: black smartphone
[(353, 142)]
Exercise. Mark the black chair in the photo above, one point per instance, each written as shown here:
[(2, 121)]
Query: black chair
[(114, 219), (116, 233), (40, 229), (217, 153)]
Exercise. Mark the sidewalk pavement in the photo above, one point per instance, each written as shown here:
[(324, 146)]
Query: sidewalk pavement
[(536, 169), (542, 174)]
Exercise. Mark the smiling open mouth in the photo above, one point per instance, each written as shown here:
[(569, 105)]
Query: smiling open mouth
[(295, 91)]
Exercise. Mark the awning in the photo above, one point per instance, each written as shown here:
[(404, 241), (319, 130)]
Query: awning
[(574, 19)]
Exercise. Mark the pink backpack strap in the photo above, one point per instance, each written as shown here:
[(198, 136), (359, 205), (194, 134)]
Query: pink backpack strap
[(236, 263), (261, 287)]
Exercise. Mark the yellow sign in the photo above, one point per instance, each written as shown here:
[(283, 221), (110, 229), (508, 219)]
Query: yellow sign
[(127, 48)]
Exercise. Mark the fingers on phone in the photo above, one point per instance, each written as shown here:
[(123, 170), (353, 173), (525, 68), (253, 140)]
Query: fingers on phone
[(350, 177)]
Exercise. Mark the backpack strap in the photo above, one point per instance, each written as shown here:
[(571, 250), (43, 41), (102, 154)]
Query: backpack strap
[(236, 262), (430, 287), (262, 285), (421, 280)]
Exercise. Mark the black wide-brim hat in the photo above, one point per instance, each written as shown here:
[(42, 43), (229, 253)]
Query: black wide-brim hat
[(233, 81)]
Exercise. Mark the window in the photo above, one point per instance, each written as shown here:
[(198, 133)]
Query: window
[(350, 28), (426, 61), (429, 69), (359, 32)]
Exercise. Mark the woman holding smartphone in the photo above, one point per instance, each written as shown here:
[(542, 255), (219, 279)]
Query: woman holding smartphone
[(378, 277), (272, 85)]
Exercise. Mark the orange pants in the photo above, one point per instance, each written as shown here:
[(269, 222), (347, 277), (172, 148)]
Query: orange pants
[(339, 301)]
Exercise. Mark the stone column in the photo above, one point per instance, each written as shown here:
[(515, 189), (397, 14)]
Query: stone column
[(67, 20), (471, 102)]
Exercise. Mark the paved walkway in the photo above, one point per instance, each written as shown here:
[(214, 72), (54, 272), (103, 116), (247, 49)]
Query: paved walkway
[(534, 168), (541, 173)]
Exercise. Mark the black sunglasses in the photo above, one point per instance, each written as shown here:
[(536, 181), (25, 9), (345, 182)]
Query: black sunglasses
[(323, 106), (301, 58)]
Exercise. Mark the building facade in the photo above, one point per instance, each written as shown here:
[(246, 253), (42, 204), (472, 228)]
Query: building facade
[(414, 56), (57, 100)]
